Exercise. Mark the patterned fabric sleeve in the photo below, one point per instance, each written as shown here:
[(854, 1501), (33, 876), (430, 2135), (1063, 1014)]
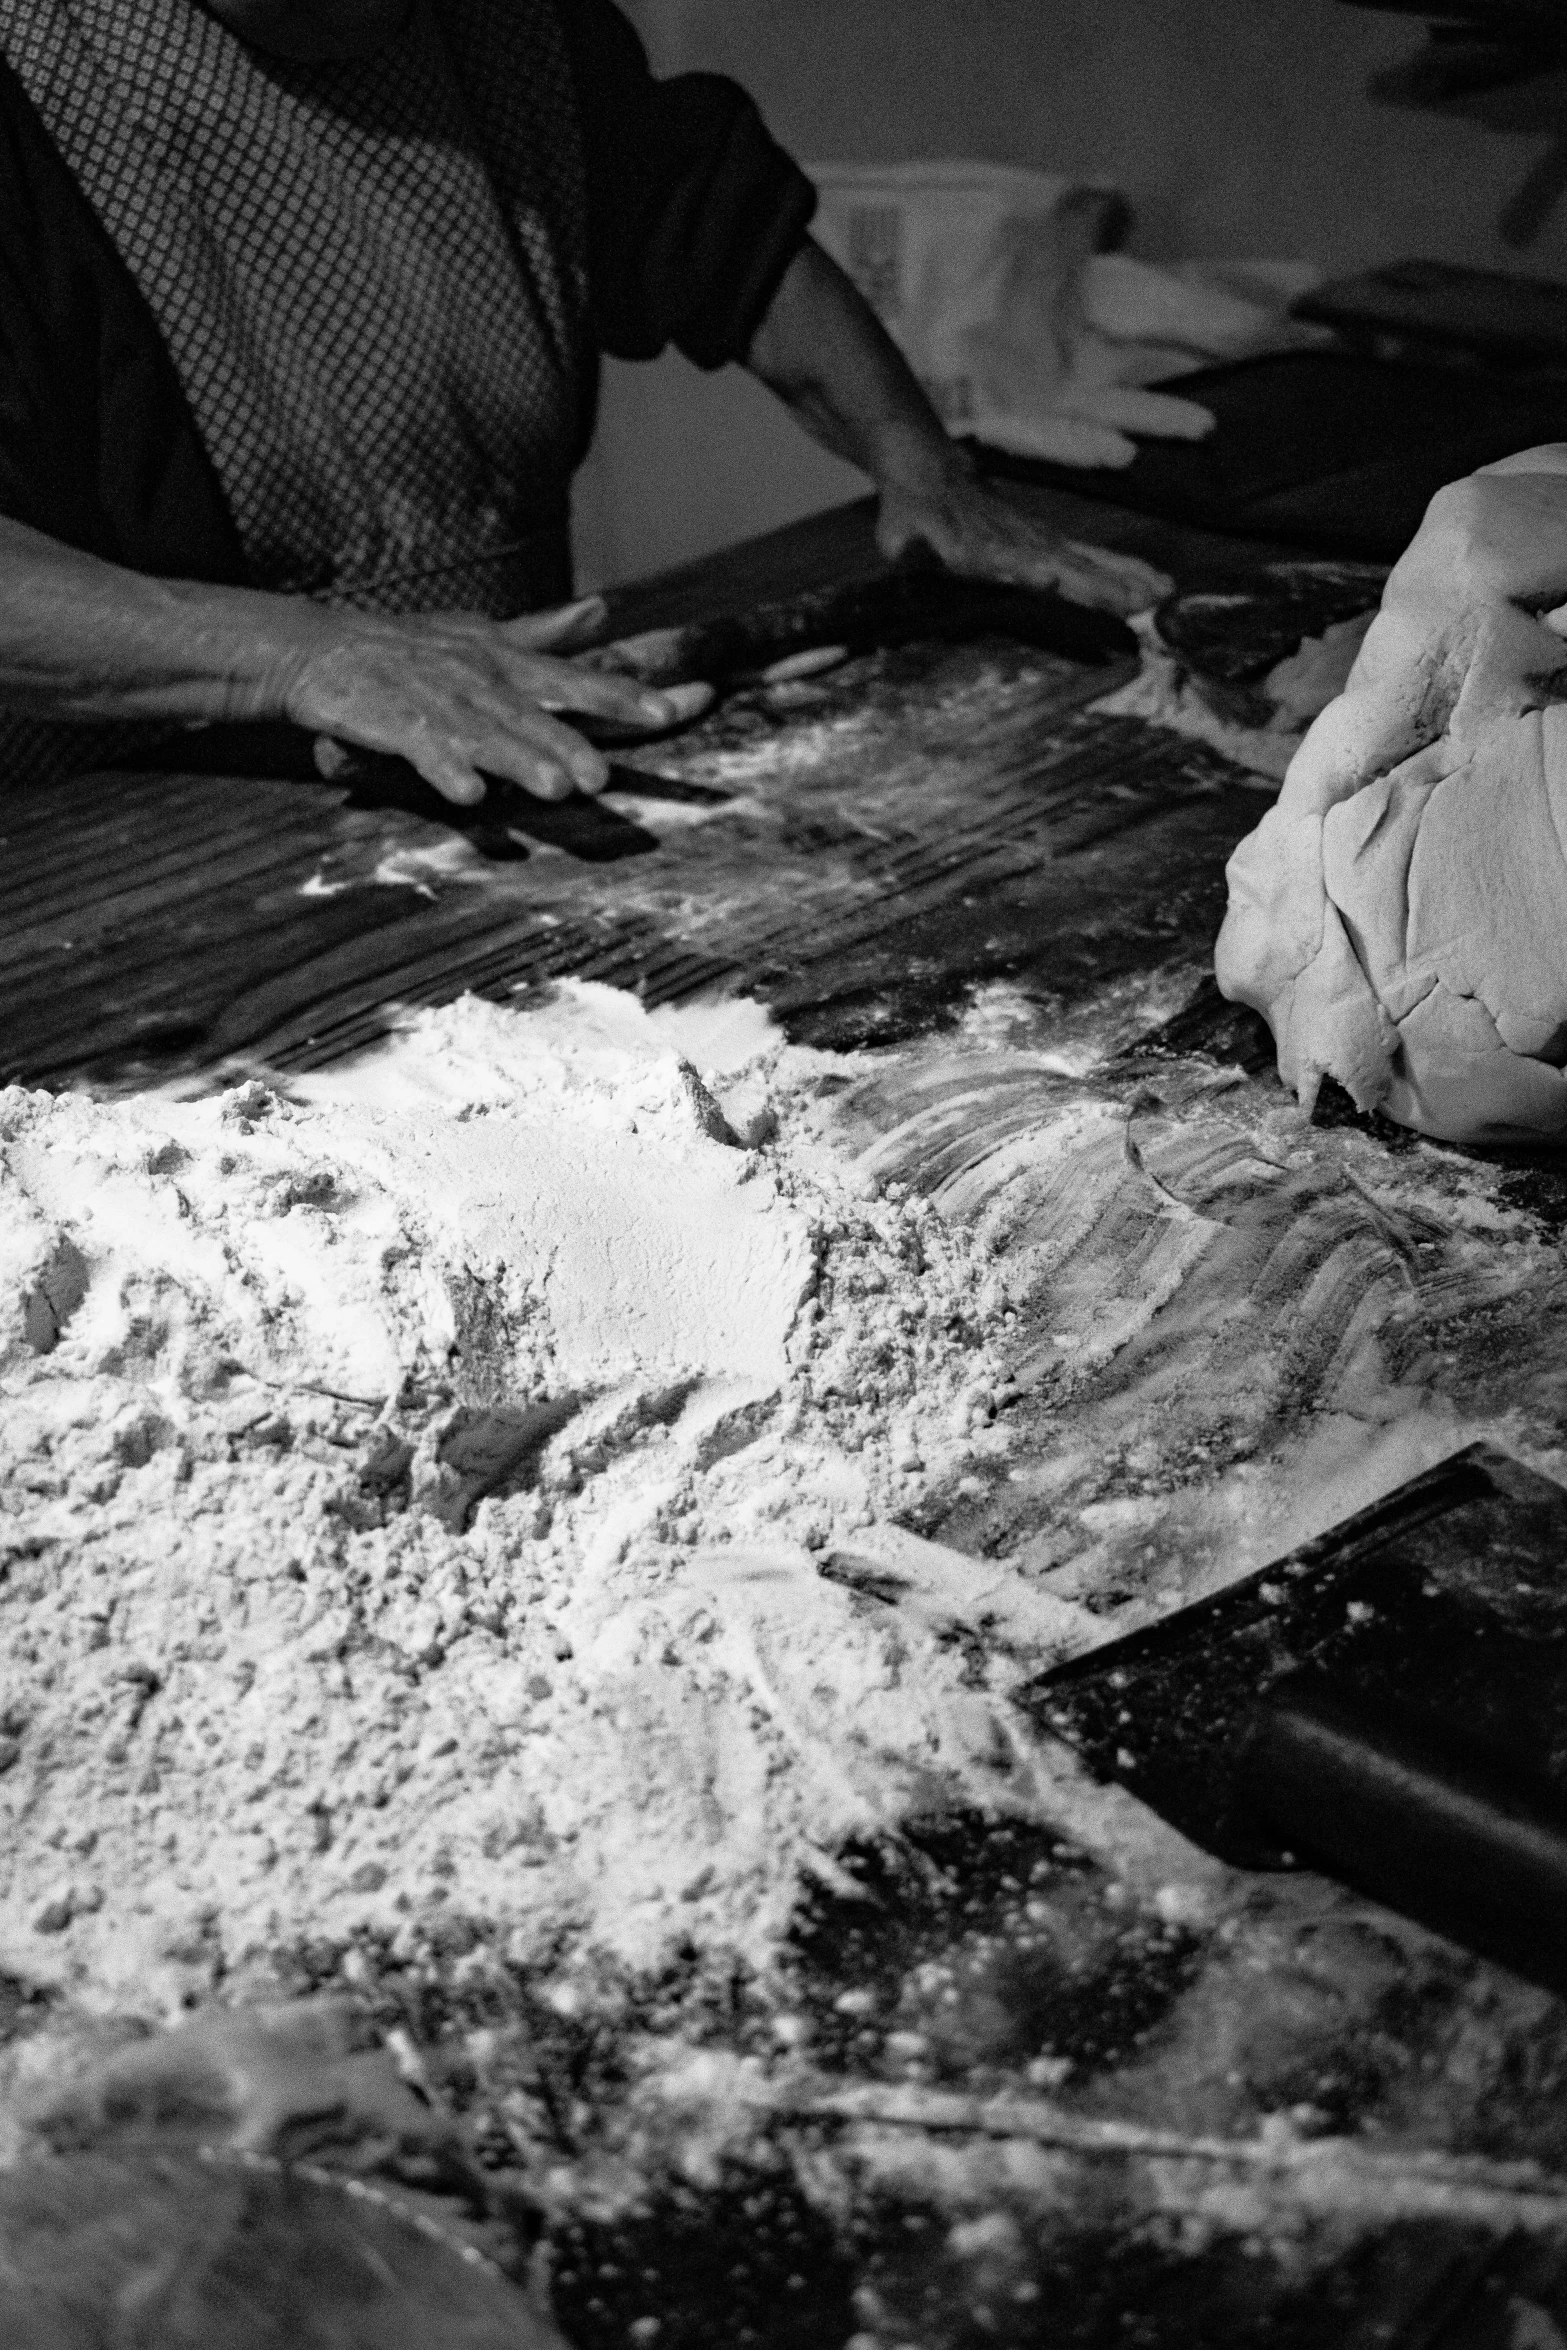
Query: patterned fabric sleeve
[(694, 211)]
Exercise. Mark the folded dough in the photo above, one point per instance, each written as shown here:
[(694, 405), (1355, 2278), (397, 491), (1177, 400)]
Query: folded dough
[(1400, 914)]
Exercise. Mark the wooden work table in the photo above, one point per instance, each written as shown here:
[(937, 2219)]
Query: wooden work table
[(187, 920), (1231, 1326)]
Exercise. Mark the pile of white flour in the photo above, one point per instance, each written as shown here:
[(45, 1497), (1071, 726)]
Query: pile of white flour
[(427, 1496)]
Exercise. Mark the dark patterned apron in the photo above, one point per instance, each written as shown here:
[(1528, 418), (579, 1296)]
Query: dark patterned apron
[(371, 278)]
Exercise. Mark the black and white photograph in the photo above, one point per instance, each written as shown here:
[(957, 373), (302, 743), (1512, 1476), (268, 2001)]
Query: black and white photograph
[(783, 1175)]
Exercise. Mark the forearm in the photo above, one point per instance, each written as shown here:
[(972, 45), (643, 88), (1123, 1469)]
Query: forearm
[(824, 352), (81, 638)]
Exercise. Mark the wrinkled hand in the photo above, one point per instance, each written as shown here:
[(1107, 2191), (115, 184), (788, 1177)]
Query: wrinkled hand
[(460, 697), (977, 531)]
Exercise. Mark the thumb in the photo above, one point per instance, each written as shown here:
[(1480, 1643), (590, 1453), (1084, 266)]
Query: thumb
[(566, 628)]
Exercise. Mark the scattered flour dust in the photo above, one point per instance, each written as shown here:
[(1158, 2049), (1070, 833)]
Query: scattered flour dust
[(447, 1490)]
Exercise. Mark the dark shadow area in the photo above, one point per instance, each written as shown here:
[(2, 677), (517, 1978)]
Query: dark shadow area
[(750, 2262), (1334, 1107), (235, 747), (506, 819), (499, 828), (747, 2263), (1438, 1610), (166, 1038), (1540, 1192), (1104, 2286), (1503, 66), (1322, 449), (1536, 1182), (974, 1947), (1235, 635), (587, 829), (1209, 1024), (645, 783), (916, 601)]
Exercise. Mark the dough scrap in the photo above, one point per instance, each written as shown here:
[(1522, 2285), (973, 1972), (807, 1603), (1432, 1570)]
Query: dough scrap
[(1400, 914)]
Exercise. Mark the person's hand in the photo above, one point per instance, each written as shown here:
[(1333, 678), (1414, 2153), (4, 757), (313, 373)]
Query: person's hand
[(824, 351), (979, 533), (460, 697)]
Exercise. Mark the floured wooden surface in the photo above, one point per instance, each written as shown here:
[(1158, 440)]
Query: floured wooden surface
[(853, 850), (1235, 1325), (1022, 2063), (1205, 1328)]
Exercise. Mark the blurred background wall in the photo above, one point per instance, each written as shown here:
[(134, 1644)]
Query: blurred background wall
[(1237, 128)]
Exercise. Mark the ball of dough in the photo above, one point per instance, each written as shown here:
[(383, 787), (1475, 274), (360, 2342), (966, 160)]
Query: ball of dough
[(1400, 915)]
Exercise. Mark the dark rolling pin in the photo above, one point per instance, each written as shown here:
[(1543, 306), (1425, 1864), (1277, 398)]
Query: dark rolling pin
[(1390, 1803)]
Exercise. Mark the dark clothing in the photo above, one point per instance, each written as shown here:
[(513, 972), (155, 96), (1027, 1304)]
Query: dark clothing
[(694, 213), (693, 216)]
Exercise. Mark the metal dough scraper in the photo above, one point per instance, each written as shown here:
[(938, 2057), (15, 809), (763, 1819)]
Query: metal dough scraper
[(1388, 1704)]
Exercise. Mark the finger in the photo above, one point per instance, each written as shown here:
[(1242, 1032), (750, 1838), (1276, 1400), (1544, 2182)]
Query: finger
[(1098, 593), (568, 628), (536, 772), (690, 700), (546, 758), (444, 767), (658, 654), (333, 760), (598, 693), (1135, 584), (682, 703), (1049, 568)]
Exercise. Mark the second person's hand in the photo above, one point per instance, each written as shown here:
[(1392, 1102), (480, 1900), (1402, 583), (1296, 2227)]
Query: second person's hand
[(979, 533)]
